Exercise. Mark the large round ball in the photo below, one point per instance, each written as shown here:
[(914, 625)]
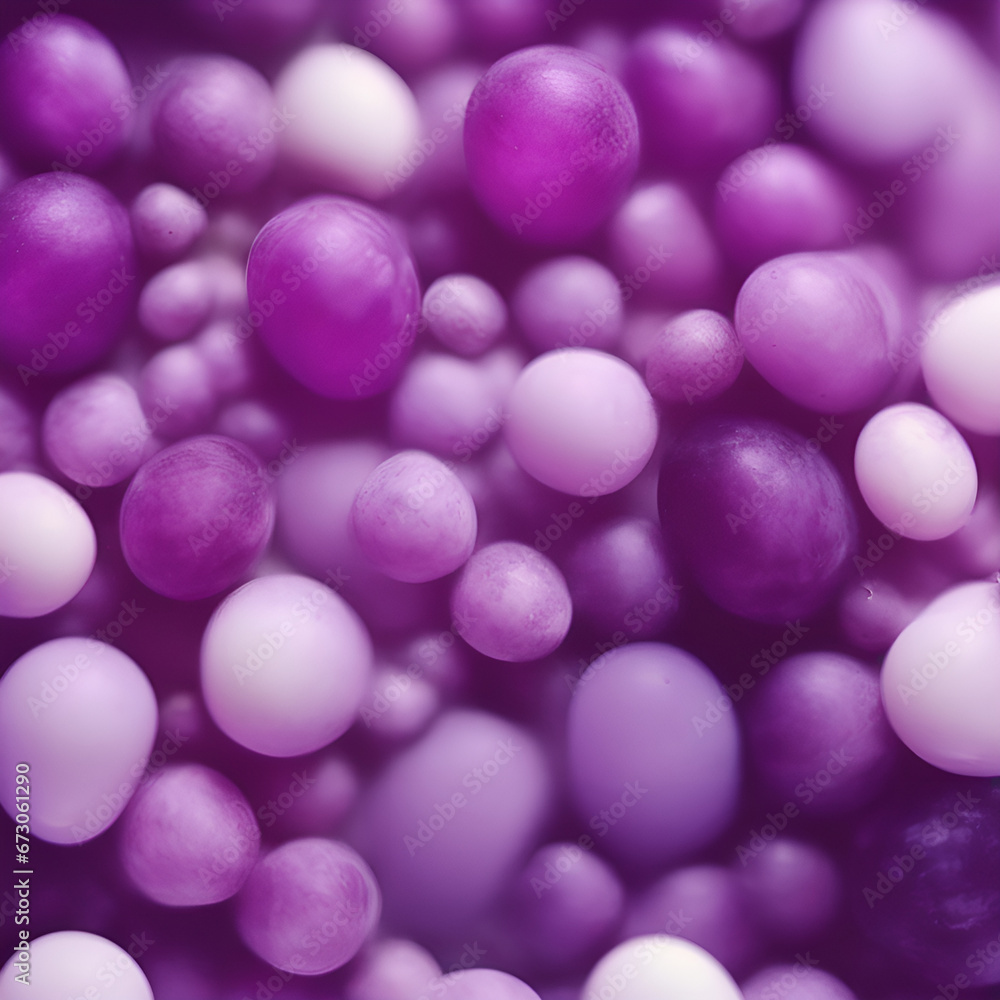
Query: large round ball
[(285, 662), (551, 143), (47, 545), (67, 273), (581, 421), (309, 906), (196, 517), (335, 296), (82, 716)]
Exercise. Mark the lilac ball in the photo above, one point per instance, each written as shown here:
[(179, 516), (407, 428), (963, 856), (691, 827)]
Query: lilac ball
[(66, 275), (166, 221), (414, 519), (64, 94), (336, 296), (196, 518), (177, 391), (309, 906), (189, 837), (392, 969), (511, 603), (551, 143), (797, 981), (177, 301), (466, 314), (486, 984), (762, 519)]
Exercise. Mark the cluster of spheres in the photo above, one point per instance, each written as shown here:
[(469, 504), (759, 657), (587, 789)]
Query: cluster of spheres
[(499, 500)]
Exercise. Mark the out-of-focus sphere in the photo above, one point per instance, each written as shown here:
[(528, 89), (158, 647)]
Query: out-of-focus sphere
[(915, 472), (581, 421), (353, 119), (47, 545)]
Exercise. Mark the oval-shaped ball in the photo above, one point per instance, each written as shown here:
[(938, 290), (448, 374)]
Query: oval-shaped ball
[(661, 966), (581, 421), (47, 545), (196, 517), (285, 662), (67, 273), (915, 472), (551, 143), (189, 837), (82, 715), (334, 293), (68, 963), (309, 906), (640, 749), (940, 684), (414, 518), (815, 329), (760, 515)]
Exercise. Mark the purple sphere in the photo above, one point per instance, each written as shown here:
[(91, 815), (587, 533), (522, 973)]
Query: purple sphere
[(196, 517), (335, 296)]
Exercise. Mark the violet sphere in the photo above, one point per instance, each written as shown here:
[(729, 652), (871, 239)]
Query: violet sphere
[(551, 143)]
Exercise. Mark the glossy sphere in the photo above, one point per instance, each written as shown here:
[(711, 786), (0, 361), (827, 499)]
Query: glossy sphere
[(511, 603), (285, 663), (760, 515), (67, 963), (581, 421), (67, 274), (656, 778), (83, 716), (915, 472), (309, 906), (414, 519), (196, 517), (551, 143), (189, 837), (335, 296), (47, 545)]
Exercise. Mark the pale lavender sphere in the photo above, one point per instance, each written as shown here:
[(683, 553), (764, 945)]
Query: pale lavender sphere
[(166, 221), (511, 603), (695, 357), (569, 302), (817, 733), (177, 392), (392, 969), (647, 772), (177, 301), (189, 837), (798, 981), (414, 519), (196, 517), (551, 143), (263, 430), (67, 274), (64, 95), (464, 313), (486, 984), (309, 906), (95, 431), (213, 125)]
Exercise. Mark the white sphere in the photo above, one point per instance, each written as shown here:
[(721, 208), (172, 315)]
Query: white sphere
[(47, 545), (353, 120)]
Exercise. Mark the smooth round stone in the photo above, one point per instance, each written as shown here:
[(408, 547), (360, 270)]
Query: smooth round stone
[(647, 772), (414, 519), (511, 603), (450, 819), (760, 516), (196, 517), (188, 837), (915, 472), (818, 735), (67, 275), (68, 963), (392, 969), (581, 421), (334, 293), (939, 682), (551, 143), (47, 545), (166, 221), (285, 663), (464, 313), (82, 715), (352, 119), (309, 906), (798, 981), (659, 965)]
